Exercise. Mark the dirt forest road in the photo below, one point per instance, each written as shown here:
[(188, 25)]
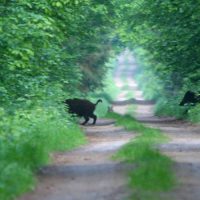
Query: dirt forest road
[(86, 173), (183, 146), (89, 173)]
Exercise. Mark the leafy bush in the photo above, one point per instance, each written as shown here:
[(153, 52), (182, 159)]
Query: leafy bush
[(169, 107), (194, 114), (50, 50), (26, 139)]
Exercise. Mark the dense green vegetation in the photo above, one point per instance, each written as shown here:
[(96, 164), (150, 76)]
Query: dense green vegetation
[(165, 38), (25, 141), (153, 173), (55, 49), (49, 45), (50, 50)]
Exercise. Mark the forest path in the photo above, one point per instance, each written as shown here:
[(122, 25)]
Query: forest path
[(89, 173), (183, 146)]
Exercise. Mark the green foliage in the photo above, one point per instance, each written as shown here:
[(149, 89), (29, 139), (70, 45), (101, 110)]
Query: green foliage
[(50, 50), (110, 89), (45, 43), (102, 108), (108, 92), (17, 177), (194, 114), (169, 107), (164, 36), (26, 139)]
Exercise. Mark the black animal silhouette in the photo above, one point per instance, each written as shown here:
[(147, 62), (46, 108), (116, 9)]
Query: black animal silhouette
[(82, 108), (190, 98)]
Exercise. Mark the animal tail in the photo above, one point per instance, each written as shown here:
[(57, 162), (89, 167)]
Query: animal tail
[(99, 100)]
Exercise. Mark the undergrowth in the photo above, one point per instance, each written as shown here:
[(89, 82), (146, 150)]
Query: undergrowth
[(194, 114), (153, 173), (26, 139), (169, 107)]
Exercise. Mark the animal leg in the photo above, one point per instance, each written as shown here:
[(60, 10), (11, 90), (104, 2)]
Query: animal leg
[(94, 117), (86, 120)]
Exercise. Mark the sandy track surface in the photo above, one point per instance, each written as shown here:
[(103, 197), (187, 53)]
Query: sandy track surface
[(87, 173)]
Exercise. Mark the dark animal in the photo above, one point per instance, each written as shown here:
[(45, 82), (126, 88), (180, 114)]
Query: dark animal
[(190, 98), (82, 108)]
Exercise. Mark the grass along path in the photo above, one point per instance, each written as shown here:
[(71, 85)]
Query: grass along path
[(182, 147), (153, 175)]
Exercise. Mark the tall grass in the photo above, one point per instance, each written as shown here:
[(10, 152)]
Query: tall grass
[(169, 107), (153, 173), (194, 114), (26, 139)]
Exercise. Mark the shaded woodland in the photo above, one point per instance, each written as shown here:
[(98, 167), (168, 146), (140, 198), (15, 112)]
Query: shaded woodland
[(52, 50)]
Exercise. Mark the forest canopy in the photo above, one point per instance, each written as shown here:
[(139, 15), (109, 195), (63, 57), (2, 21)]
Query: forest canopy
[(50, 45), (165, 38)]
